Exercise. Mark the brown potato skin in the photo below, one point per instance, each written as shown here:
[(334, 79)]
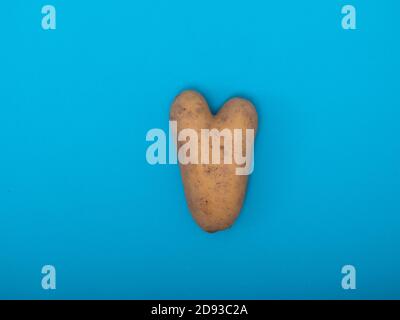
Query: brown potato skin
[(214, 193)]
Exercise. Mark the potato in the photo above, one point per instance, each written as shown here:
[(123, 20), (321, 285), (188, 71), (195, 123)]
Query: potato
[(214, 192)]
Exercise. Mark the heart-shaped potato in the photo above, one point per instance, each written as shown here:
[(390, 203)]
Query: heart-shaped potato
[(214, 191)]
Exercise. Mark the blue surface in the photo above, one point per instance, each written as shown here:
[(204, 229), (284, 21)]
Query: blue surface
[(76, 190)]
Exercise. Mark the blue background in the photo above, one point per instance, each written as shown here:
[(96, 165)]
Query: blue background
[(76, 190)]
